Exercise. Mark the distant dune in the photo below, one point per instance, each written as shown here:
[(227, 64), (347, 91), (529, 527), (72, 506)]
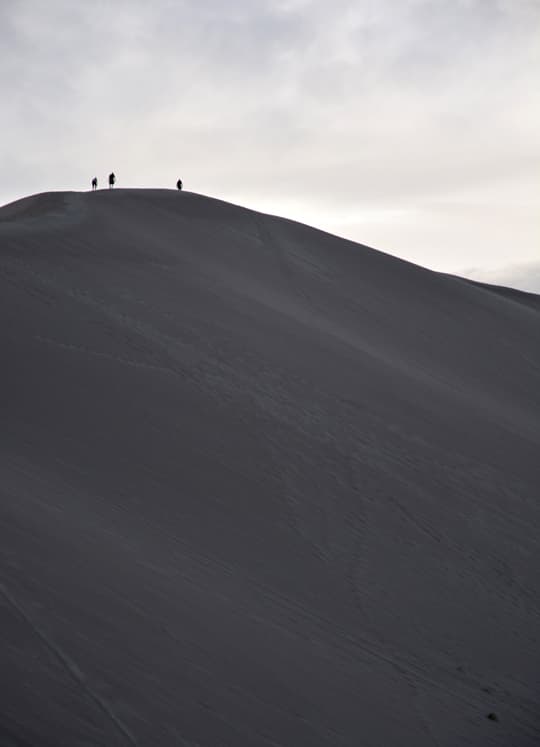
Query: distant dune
[(261, 486)]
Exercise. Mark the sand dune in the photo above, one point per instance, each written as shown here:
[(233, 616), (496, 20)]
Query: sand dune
[(260, 485)]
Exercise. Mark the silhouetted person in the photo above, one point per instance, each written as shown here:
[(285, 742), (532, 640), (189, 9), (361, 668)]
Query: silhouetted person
[(112, 180), (179, 184), (94, 184)]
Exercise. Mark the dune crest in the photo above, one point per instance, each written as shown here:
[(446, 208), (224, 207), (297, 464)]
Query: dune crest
[(260, 485)]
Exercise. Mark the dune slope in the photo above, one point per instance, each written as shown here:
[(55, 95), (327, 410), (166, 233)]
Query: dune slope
[(260, 485)]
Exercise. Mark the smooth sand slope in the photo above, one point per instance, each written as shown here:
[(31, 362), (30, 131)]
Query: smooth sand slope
[(260, 486)]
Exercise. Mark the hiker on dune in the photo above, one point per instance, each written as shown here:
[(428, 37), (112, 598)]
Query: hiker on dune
[(94, 184), (112, 180), (179, 184)]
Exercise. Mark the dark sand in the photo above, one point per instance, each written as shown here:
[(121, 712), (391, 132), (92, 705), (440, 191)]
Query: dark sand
[(260, 486)]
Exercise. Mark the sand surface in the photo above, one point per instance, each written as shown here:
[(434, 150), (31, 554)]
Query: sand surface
[(260, 486)]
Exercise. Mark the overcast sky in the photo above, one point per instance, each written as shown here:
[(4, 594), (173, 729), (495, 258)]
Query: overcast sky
[(409, 125)]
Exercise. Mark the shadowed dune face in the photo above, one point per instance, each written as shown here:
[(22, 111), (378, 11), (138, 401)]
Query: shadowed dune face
[(260, 485)]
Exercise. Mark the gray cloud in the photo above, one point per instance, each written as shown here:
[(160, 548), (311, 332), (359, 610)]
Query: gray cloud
[(525, 276), (407, 124)]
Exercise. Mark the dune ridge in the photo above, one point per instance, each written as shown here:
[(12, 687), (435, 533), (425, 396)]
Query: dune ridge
[(260, 485)]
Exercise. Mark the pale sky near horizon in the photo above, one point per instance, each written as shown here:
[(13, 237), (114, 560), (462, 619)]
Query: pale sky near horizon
[(408, 125)]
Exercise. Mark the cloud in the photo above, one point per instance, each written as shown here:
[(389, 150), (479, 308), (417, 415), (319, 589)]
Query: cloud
[(525, 276), (417, 110)]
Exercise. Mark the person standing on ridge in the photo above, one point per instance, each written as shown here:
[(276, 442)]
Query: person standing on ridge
[(94, 184), (112, 180), (179, 184)]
